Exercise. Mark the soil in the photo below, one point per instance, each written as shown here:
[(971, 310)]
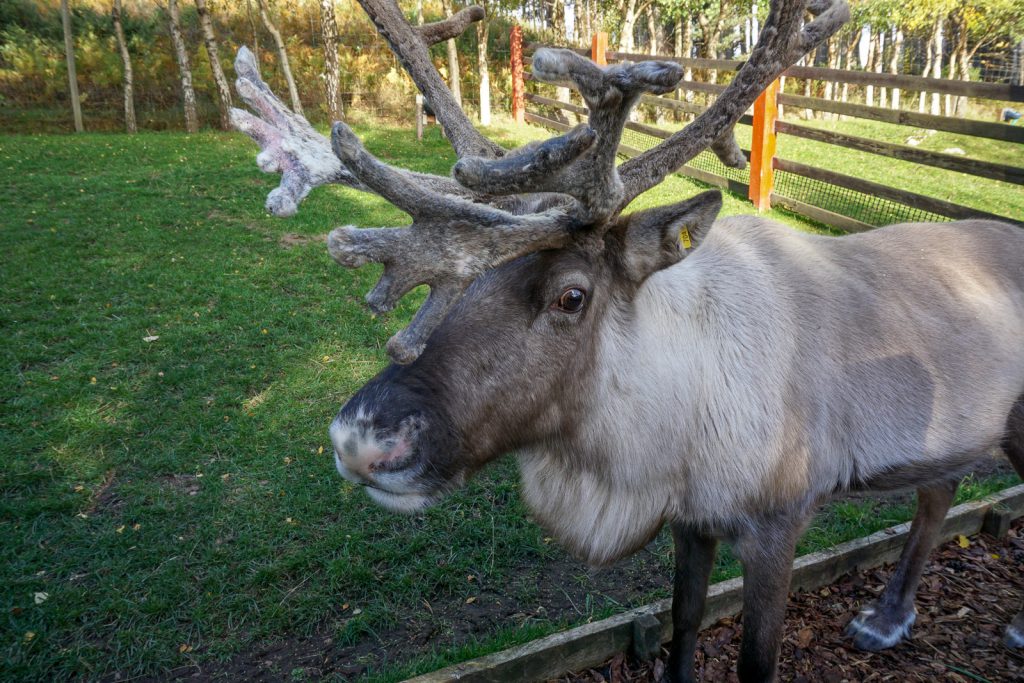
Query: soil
[(966, 598)]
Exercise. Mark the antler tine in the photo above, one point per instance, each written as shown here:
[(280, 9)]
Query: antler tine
[(782, 42), (291, 146), (450, 243), (288, 143), (580, 163)]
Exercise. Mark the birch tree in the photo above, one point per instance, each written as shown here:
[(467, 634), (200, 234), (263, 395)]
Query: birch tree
[(188, 93), (332, 70), (282, 55), (130, 125), (69, 55), (454, 80), (219, 79)]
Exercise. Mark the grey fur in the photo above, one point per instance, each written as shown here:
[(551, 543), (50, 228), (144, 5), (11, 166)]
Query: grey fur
[(728, 389)]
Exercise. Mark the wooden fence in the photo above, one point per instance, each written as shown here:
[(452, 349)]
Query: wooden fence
[(836, 199)]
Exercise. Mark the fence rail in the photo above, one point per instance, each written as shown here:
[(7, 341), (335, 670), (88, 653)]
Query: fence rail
[(836, 199)]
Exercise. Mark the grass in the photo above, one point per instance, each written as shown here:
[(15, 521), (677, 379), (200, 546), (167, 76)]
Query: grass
[(169, 370)]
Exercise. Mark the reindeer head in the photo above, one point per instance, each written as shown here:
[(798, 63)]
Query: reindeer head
[(526, 253)]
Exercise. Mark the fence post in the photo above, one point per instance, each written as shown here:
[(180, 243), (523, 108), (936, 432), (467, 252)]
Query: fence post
[(599, 48), (762, 147), (518, 88)]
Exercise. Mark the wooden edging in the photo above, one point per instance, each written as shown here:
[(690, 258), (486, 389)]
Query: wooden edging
[(591, 644)]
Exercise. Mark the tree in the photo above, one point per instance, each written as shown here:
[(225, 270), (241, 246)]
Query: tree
[(188, 94), (69, 54), (482, 35), (454, 80), (282, 55), (332, 70), (219, 80), (126, 61)]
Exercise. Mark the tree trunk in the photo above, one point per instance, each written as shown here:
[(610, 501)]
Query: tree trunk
[(482, 32), (652, 30), (188, 95), (454, 80), (255, 31), (929, 57), (894, 64), (130, 125), (332, 70), (832, 55), (869, 89), (219, 79), (628, 22), (69, 55), (282, 55), (963, 62), (937, 64), (883, 100)]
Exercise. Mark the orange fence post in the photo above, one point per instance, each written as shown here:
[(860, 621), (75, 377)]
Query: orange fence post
[(762, 147), (518, 87), (599, 48)]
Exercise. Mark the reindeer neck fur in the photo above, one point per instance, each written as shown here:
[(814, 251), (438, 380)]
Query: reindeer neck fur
[(693, 375), (746, 379)]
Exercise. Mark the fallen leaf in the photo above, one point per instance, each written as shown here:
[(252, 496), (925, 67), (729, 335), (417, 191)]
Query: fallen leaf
[(29, 635), (184, 647), (151, 338), (120, 529), (804, 637), (962, 541), (320, 451), (470, 600), (40, 597)]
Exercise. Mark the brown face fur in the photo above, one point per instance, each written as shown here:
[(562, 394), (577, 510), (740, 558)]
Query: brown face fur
[(509, 367)]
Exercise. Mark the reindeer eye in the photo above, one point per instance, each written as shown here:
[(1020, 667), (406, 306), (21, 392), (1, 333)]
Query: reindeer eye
[(571, 300)]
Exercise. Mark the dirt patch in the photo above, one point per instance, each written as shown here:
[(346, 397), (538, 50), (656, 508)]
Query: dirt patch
[(185, 484), (105, 498), (294, 239), (966, 598)]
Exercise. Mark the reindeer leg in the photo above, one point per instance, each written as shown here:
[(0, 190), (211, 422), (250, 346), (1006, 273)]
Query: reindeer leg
[(888, 619), (1013, 445), (766, 552), (695, 555)]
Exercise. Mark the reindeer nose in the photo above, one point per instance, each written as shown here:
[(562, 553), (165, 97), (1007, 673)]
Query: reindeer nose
[(362, 450)]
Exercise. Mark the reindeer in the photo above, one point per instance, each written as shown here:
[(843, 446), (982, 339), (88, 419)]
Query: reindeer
[(723, 377)]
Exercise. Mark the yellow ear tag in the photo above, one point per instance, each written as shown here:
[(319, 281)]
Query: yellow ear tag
[(684, 238)]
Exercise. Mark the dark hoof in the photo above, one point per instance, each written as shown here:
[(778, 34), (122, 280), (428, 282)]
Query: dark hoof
[(876, 629), (1013, 637)]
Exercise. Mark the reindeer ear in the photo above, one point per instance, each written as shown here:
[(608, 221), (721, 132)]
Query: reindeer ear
[(658, 238)]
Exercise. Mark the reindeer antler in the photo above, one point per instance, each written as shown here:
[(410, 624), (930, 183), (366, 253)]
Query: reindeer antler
[(450, 243), (461, 229), (582, 169), (782, 42)]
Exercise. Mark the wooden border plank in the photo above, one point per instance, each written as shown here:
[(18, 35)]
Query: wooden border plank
[(918, 201), (950, 162), (593, 643), (836, 220), (983, 129)]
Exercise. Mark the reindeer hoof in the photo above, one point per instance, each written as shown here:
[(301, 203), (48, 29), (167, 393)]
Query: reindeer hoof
[(877, 628)]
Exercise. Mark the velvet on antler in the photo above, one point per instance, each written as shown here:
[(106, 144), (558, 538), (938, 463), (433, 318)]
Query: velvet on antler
[(498, 205)]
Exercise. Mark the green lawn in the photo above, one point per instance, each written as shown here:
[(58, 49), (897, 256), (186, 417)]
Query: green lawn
[(170, 367)]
